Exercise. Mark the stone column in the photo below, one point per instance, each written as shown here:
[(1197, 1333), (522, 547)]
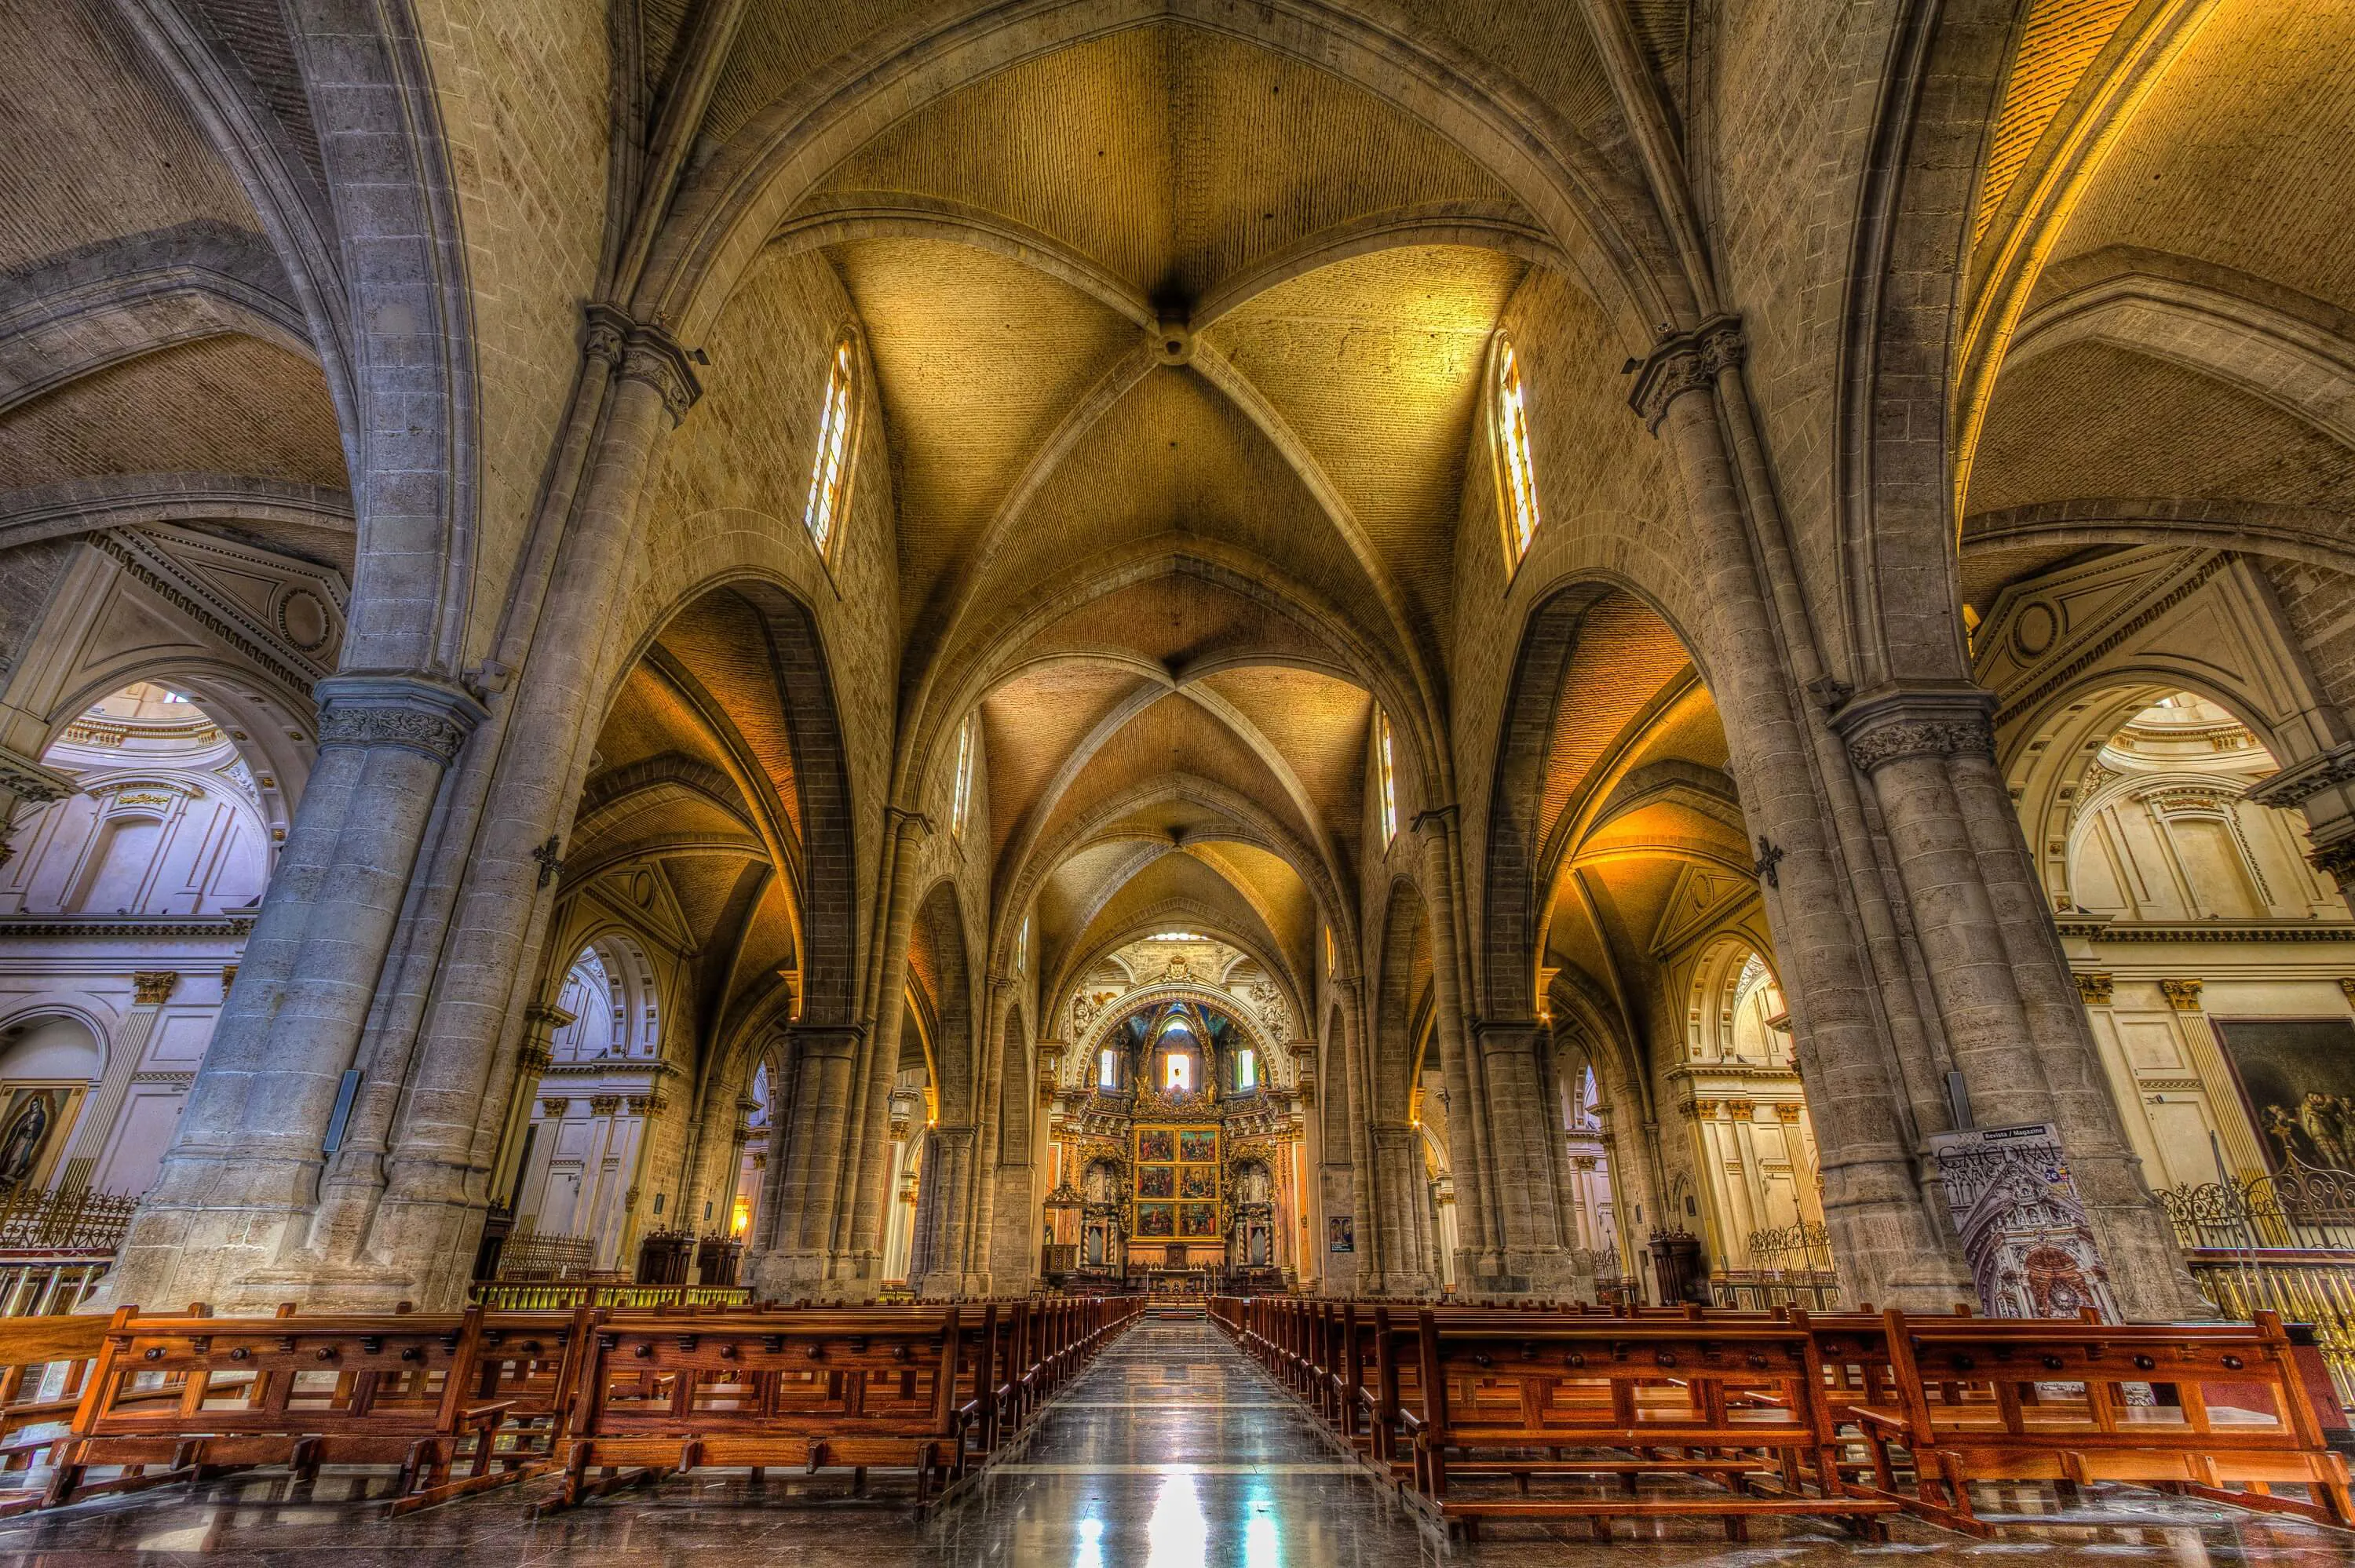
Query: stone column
[(1479, 1181), (432, 1194), (150, 989), (1523, 1126), (245, 1162), (2011, 1011), (806, 1162), (1400, 1192), (1892, 1246), (858, 1236), (936, 1263)]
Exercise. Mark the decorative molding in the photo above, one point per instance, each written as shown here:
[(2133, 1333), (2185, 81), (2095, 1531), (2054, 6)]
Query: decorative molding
[(1686, 362), (29, 781), (1902, 738), (2094, 990), (177, 1080), (124, 925), (2336, 860), (2183, 995), (2297, 785), (2100, 929), (2195, 575), (154, 571), (154, 987)]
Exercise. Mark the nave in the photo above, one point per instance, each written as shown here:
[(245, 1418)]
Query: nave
[(1172, 1450)]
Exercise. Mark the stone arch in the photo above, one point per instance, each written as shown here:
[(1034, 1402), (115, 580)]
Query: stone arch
[(1515, 879), (1398, 999), (941, 973), (819, 842)]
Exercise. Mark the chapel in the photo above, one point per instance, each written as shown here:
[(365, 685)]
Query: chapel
[(1170, 672)]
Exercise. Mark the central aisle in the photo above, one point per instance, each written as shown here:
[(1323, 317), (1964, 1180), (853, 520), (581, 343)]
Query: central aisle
[(1174, 1449)]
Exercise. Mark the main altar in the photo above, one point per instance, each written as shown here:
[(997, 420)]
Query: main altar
[(1177, 1140)]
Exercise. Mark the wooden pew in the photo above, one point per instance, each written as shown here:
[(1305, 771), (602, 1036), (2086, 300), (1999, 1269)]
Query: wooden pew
[(2217, 1411), (32, 1427), (822, 1389), (1531, 1397), (189, 1396)]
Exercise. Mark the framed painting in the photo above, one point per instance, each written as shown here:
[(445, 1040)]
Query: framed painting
[(1199, 1148), (2297, 1078), (1198, 1181), (1198, 1219), (1342, 1232), (1157, 1181), (1156, 1219), (1156, 1145), (32, 1121)]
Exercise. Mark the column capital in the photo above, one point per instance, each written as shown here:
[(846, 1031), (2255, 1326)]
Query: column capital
[(604, 332), (2183, 995), (1685, 362), (402, 711), (1434, 823), (838, 1039), (652, 355), (154, 987), (2094, 988), (911, 826), (1893, 722), (1495, 1035), (547, 1016)]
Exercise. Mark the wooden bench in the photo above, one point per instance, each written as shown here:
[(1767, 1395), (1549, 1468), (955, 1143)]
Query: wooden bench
[(33, 1426), (821, 1389), (2218, 1410), (1736, 1406), (191, 1396)]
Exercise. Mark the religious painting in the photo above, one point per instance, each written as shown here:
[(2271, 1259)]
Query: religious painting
[(1198, 1181), (31, 1120), (1156, 1219), (1198, 1148), (1341, 1232), (1156, 1145), (1198, 1219), (1157, 1181), (2297, 1076)]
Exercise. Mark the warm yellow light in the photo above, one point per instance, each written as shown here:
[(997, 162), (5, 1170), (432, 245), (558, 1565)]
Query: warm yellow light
[(740, 1217)]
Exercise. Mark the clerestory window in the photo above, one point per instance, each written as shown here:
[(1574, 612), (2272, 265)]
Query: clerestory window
[(1517, 478), (830, 477), (1385, 776)]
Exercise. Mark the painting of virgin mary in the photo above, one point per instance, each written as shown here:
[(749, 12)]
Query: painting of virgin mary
[(25, 1135)]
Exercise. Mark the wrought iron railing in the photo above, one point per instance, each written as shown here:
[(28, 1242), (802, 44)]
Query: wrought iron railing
[(1790, 1265), (2283, 1242), (532, 1255), (563, 1296), (80, 1221)]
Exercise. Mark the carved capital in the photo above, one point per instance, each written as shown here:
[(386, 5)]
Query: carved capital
[(1584, 1162), (830, 1040), (1788, 1111), (2336, 860), (395, 711), (546, 1018), (604, 333), (1894, 723), (152, 988), (2096, 990), (1742, 1110), (605, 1105), (2348, 985), (555, 1106), (653, 356), (1685, 362), (2183, 995), (649, 1105)]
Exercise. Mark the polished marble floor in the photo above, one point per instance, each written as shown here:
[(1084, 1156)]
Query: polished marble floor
[(1172, 1451)]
